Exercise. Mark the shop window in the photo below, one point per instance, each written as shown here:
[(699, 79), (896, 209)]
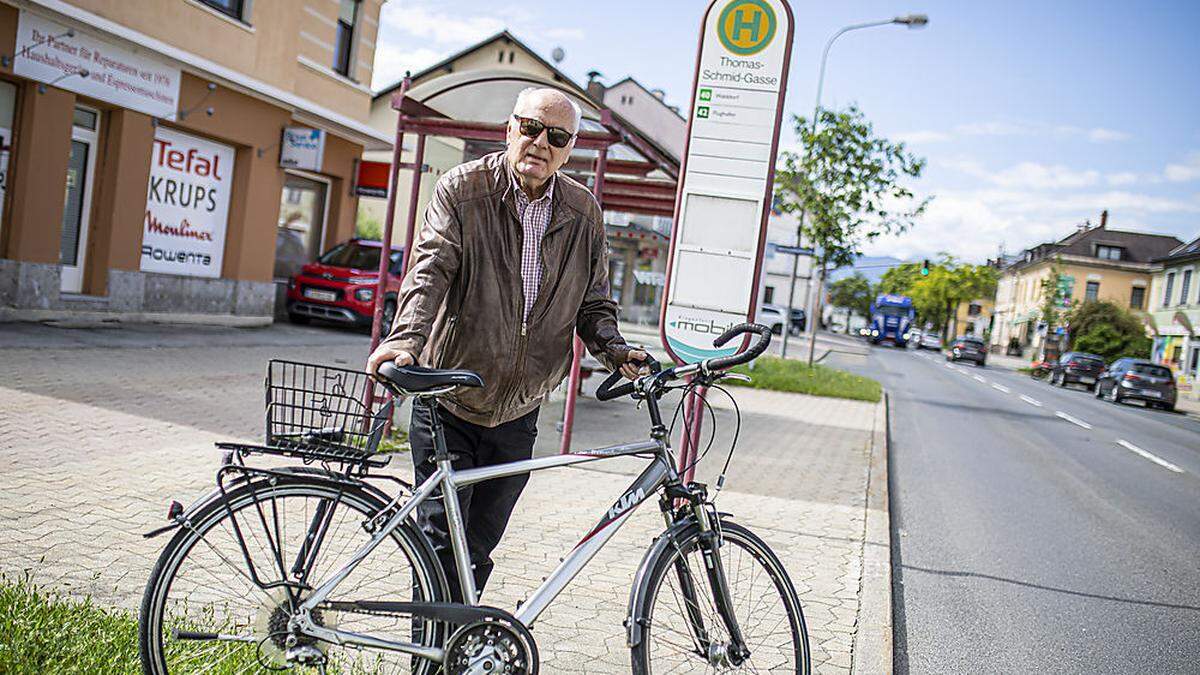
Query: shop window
[(1184, 286), (234, 8), (1136, 297), (301, 224), (1093, 291), (344, 44)]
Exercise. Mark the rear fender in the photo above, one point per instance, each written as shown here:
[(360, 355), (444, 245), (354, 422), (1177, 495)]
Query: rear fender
[(310, 473)]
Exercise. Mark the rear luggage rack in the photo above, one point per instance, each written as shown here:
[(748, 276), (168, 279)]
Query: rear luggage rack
[(322, 414)]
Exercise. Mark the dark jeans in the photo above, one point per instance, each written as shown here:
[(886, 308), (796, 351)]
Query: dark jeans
[(486, 506)]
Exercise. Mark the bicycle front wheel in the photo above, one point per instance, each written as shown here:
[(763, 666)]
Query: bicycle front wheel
[(206, 584), (682, 629)]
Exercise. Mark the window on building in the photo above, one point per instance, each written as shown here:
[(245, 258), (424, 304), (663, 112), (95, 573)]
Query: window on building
[(1184, 286), (1092, 292), (974, 309), (1109, 252), (769, 295), (1136, 297), (344, 45), (233, 8), (1166, 301)]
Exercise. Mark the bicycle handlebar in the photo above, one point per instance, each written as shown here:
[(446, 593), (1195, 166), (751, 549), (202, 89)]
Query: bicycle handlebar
[(607, 392)]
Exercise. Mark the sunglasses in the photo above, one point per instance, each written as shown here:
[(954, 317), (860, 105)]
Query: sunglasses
[(557, 136)]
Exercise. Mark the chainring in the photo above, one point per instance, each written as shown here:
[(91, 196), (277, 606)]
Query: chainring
[(491, 647)]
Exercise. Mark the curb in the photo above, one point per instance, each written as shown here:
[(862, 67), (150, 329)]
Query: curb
[(872, 651)]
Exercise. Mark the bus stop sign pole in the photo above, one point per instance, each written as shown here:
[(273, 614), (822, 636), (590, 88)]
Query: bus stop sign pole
[(725, 184)]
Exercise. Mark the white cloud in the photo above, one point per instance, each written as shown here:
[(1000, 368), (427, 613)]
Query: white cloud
[(391, 62), (923, 137), (1042, 177), (1001, 128), (1101, 135), (1189, 170), (1122, 178), (974, 223), (419, 20)]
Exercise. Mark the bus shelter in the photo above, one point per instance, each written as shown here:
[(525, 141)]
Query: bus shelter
[(627, 171)]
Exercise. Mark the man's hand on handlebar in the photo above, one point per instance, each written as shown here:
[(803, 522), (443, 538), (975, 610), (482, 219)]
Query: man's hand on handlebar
[(383, 353), (635, 364)]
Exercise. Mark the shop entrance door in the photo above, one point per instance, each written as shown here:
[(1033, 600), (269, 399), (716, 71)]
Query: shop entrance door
[(301, 223), (77, 204)]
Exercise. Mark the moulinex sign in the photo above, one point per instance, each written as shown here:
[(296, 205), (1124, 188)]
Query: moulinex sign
[(187, 205), (94, 67)]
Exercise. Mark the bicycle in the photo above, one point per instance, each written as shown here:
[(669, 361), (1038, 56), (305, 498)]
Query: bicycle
[(233, 590)]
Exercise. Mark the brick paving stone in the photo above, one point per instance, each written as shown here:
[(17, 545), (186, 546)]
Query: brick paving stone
[(98, 440)]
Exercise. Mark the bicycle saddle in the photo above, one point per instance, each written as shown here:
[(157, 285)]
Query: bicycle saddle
[(418, 379)]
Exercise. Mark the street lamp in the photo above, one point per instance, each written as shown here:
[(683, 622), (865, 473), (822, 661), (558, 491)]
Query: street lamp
[(914, 22)]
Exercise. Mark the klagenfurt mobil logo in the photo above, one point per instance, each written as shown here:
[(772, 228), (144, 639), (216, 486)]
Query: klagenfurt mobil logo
[(746, 27)]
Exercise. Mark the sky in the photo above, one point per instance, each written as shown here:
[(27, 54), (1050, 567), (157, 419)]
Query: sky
[(1034, 116)]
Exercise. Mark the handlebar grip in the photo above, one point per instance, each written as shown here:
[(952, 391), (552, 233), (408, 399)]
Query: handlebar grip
[(606, 391), (755, 350)]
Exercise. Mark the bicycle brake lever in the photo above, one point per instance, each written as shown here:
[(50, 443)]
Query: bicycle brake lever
[(736, 376)]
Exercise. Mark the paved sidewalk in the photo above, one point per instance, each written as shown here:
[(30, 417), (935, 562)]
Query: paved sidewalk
[(98, 439)]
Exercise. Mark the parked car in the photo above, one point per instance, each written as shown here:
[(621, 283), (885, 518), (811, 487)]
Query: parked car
[(340, 285), (1076, 368), (772, 316), (968, 348), (930, 340), (1138, 379)]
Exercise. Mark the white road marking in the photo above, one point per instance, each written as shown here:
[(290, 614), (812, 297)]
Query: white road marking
[(1031, 401), (1072, 420), (1150, 456), (978, 378), (949, 365), (1000, 387)]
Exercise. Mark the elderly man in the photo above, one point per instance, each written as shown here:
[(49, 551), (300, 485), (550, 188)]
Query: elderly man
[(510, 262)]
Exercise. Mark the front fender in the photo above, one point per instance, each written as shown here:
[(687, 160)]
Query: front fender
[(637, 591)]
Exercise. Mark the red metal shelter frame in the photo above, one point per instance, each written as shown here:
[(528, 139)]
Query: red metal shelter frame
[(625, 193)]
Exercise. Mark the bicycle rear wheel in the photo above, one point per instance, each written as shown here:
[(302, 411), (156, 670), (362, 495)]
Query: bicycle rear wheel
[(682, 630), (202, 582)]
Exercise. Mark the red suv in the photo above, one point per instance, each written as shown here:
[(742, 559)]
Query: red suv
[(340, 285)]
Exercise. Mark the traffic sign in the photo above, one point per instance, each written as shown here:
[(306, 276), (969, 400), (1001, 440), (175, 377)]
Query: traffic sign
[(724, 195)]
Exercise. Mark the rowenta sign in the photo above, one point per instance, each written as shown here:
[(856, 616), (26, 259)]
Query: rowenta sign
[(187, 205)]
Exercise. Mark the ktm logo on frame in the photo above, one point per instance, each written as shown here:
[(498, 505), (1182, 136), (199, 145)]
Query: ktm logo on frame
[(746, 26)]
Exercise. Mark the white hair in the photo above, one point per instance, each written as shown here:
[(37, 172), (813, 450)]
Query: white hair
[(529, 91)]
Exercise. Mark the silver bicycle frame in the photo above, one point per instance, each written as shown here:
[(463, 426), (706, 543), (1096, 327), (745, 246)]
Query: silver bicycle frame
[(449, 480)]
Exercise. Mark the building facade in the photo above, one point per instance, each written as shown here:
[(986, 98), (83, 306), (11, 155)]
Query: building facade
[(972, 317), (1095, 263), (176, 159), (1175, 312)]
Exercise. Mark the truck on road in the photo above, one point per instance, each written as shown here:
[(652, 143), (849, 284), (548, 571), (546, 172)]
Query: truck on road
[(891, 319)]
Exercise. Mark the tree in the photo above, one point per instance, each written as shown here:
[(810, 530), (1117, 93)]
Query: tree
[(849, 186), (1106, 329), (853, 293), (1054, 296), (367, 226), (936, 295)]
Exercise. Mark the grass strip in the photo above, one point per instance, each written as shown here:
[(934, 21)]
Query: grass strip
[(777, 374)]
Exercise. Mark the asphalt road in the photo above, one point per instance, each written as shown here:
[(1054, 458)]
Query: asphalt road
[(1037, 529)]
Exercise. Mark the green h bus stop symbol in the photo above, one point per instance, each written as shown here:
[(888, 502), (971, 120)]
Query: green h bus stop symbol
[(746, 27)]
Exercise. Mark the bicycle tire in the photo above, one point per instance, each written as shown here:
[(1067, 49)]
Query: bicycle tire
[(152, 632), (685, 546)]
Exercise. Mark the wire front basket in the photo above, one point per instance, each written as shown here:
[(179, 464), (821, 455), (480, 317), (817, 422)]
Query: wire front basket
[(324, 413)]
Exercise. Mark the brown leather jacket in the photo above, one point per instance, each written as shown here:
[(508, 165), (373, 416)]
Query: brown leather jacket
[(462, 299)]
